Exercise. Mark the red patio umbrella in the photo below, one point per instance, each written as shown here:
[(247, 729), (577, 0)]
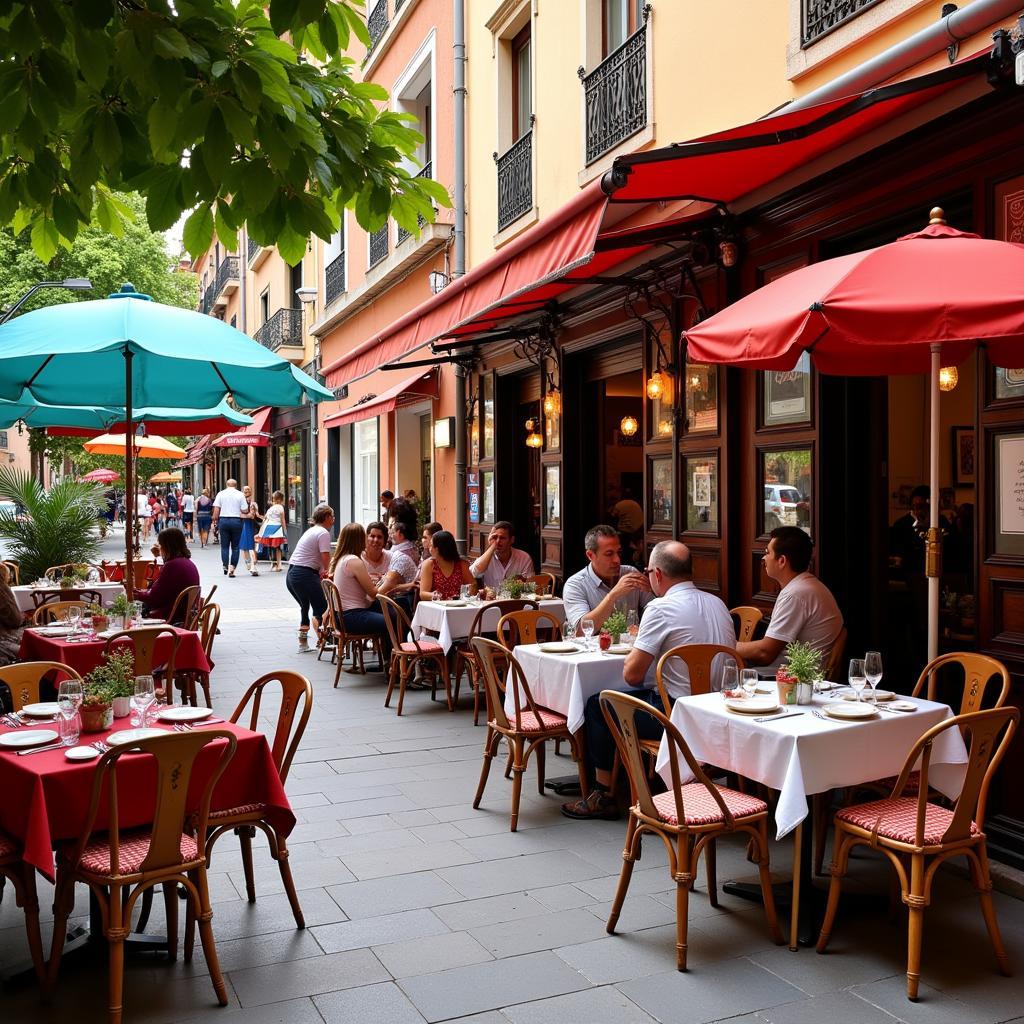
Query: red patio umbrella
[(924, 301), (102, 476)]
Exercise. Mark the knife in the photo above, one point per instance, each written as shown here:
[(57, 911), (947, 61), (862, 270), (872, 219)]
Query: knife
[(39, 750)]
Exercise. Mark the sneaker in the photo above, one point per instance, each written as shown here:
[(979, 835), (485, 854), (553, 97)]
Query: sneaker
[(598, 805)]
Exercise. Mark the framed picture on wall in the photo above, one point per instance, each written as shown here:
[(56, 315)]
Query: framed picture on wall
[(552, 496), (963, 456), (660, 494)]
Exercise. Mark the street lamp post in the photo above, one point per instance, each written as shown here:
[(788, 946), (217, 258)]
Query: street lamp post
[(75, 284), (307, 296)]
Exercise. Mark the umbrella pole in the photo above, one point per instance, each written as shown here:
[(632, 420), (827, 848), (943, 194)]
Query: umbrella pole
[(131, 502), (933, 555)]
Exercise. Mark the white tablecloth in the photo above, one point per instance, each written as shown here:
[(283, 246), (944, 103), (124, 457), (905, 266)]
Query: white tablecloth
[(453, 624), (107, 592), (802, 755), (565, 682)]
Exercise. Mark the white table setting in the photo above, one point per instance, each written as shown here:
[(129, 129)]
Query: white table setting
[(452, 620), (23, 594)]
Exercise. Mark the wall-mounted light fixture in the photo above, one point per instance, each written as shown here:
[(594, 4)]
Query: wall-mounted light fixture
[(948, 378), (655, 386), (628, 426), (534, 438), (444, 432)]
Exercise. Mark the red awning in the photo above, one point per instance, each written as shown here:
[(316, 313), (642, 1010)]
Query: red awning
[(195, 453), (720, 168), (252, 435), (409, 389)]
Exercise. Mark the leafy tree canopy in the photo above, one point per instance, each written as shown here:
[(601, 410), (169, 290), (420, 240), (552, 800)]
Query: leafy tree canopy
[(201, 106)]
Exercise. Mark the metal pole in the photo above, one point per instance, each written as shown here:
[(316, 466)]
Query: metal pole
[(130, 500), (459, 269), (933, 555)]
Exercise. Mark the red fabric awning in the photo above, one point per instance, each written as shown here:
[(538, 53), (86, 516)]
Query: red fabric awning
[(195, 453), (420, 385), (722, 167), (252, 435)]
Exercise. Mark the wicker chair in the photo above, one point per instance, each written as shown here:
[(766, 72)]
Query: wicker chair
[(545, 583), (23, 879), (143, 642), (342, 644), (55, 611), (406, 654), (185, 610), (525, 627), (206, 626), (13, 571)]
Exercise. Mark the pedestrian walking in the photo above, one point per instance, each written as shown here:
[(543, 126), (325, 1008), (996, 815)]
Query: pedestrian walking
[(247, 542), (188, 510), (307, 565), (204, 516), (272, 536), (227, 522)]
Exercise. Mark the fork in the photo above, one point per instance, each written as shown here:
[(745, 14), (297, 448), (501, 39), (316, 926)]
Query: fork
[(100, 746), (14, 721), (182, 727)]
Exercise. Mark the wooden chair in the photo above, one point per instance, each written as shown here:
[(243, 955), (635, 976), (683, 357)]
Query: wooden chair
[(527, 732), (406, 654), (465, 658), (144, 571), (57, 572), (747, 619), (342, 644), (292, 716), (206, 625), (185, 610), (23, 879), (43, 597), (209, 597), (521, 628), (55, 611), (143, 642), (545, 582), (918, 836), (24, 679), (118, 866), (13, 571)]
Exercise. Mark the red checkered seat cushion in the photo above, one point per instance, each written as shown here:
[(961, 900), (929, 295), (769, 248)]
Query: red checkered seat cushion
[(897, 819), (912, 788), (132, 852), (542, 721), (701, 808), (232, 812), (426, 646), (7, 847)]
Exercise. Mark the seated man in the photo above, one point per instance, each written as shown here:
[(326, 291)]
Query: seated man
[(805, 609), (681, 615), (605, 584), (500, 561)]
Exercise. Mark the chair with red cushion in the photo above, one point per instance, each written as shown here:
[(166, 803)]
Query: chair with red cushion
[(406, 654), (527, 732), (120, 865), (23, 878), (918, 836), (292, 716), (341, 643), (687, 818)]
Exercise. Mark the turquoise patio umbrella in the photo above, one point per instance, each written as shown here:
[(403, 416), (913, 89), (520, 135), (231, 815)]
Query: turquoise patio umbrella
[(128, 351)]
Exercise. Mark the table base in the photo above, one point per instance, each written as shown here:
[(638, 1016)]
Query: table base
[(564, 785)]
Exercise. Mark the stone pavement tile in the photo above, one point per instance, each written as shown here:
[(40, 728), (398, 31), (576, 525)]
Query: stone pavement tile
[(370, 1004), (373, 823), (357, 809), (490, 1017), (532, 934), (517, 873), (390, 895), (309, 874), (468, 990), (562, 897), (439, 792), (413, 957), (389, 839), (643, 881), (816, 974), (833, 1007), (489, 910), (933, 1006), (607, 1005), (294, 1011), (410, 819), (422, 857), (721, 936), (371, 931), (482, 822), (404, 759), (726, 988), (637, 912), (623, 956), (272, 914), (257, 950), (532, 840), (437, 832), (274, 983)]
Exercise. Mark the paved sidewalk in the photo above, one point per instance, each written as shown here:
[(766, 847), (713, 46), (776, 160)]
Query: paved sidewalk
[(419, 908)]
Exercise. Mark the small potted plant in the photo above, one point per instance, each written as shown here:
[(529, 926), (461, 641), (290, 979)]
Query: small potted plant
[(121, 608), (612, 628), (513, 588), (120, 681), (796, 678), (98, 613), (97, 708), (72, 579)]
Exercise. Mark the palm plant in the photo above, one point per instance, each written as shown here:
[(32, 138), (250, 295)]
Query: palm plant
[(57, 527)]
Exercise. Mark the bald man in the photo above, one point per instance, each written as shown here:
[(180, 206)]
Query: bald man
[(680, 614)]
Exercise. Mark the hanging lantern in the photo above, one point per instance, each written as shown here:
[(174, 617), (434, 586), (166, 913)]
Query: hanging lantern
[(534, 439), (629, 426), (665, 428), (551, 403), (948, 378), (656, 386)]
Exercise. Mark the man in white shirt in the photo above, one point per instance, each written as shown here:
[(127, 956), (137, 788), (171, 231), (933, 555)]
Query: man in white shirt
[(227, 519), (500, 561), (605, 584), (681, 615), (401, 542), (805, 609), (143, 512), (188, 509), (392, 572)]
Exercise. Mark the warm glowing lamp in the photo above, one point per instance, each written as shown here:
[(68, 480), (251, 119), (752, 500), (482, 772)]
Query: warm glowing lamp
[(948, 378), (534, 439), (656, 386), (629, 426), (551, 403)]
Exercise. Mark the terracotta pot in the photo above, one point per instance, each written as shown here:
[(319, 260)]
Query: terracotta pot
[(787, 685), (100, 623), (96, 717), (604, 641)]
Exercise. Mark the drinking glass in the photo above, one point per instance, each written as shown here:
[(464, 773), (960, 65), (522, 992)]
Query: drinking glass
[(464, 592), (136, 613), (873, 671), (568, 631), (857, 678), (68, 725), (72, 691), (748, 679), (632, 623), (143, 698), (729, 678), (588, 630), (75, 619)]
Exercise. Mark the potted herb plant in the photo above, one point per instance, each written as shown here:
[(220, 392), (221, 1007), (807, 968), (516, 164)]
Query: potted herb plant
[(97, 709), (613, 628), (100, 619), (120, 666), (121, 608), (796, 678)]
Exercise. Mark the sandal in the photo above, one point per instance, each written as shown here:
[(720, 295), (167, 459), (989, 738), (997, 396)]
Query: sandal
[(599, 805)]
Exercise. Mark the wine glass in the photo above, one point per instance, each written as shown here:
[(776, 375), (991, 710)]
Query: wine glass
[(568, 631), (144, 697), (75, 619), (464, 592), (873, 671), (748, 680), (632, 623), (72, 691), (588, 630), (729, 678), (857, 678), (69, 699)]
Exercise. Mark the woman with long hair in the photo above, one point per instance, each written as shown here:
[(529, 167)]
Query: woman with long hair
[(177, 574), (272, 533), (204, 516), (352, 578), (247, 542), (445, 572)]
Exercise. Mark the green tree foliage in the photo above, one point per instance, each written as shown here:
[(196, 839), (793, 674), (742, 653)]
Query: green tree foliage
[(201, 106)]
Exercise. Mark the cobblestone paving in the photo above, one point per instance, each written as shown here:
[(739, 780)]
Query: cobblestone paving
[(419, 908)]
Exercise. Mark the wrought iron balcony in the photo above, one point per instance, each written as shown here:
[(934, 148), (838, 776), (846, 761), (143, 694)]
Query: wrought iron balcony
[(254, 247), (377, 22), (335, 278), (379, 246), (283, 328), (227, 272), (398, 5), (424, 172), (819, 17), (515, 181), (616, 95), (208, 296)]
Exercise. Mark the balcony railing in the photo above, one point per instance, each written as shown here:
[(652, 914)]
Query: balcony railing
[(377, 22), (335, 278), (616, 95), (423, 173), (209, 295), (379, 246), (819, 17), (283, 328), (515, 181), (254, 247), (227, 271)]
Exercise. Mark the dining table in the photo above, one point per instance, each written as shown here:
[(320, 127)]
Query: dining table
[(28, 596), (451, 621), (804, 751)]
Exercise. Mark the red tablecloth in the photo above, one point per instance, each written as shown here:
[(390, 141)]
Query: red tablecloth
[(46, 797), (84, 657)]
